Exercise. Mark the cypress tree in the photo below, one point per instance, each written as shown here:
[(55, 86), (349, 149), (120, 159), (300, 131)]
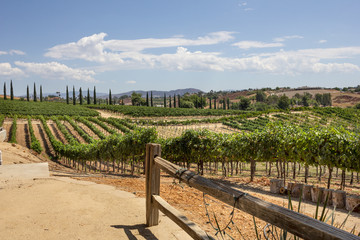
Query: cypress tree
[(88, 97), (210, 102), (80, 96), (224, 104), (27, 93), (35, 99), (74, 97), (152, 100), (11, 91), (228, 103), (169, 101), (147, 99), (215, 102), (94, 95), (164, 99), (41, 95), (110, 98), (179, 103), (5, 91), (174, 101), (67, 95)]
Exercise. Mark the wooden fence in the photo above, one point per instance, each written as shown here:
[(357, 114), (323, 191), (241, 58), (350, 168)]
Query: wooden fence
[(294, 222)]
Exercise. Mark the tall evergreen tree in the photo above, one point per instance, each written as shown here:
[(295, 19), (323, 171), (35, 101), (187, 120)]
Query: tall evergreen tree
[(179, 103), (74, 97), (215, 102), (88, 97), (224, 104), (151, 99), (94, 95), (147, 99), (35, 98), (81, 96), (67, 95), (41, 95), (5, 91), (27, 93), (175, 101), (210, 105), (228, 103), (164, 99), (110, 98), (11, 91), (170, 101)]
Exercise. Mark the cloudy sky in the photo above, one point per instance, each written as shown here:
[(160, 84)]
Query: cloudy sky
[(166, 45)]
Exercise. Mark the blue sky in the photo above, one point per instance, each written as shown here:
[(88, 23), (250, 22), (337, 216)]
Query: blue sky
[(166, 45)]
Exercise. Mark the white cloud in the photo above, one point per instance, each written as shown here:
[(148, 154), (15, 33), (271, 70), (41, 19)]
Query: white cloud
[(256, 44), (95, 48), (322, 41), (131, 82), (7, 70), (16, 52), (284, 38), (129, 54), (55, 70), (12, 52)]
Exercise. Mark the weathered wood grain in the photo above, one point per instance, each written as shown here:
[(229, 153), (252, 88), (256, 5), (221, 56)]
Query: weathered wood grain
[(182, 221), (295, 223)]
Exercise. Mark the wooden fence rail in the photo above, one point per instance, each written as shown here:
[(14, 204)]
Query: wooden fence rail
[(294, 222)]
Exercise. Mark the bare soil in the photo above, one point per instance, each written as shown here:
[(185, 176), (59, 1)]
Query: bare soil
[(73, 132), (339, 99), (88, 130), (56, 132)]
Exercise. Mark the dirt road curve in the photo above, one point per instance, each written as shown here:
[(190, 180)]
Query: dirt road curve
[(65, 208)]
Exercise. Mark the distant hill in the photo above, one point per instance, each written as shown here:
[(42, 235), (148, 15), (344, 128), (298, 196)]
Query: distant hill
[(158, 93), (106, 95)]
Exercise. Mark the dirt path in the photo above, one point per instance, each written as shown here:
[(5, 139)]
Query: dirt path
[(61, 208), (107, 114), (64, 208)]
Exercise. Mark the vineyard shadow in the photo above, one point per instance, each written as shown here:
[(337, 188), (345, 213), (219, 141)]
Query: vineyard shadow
[(46, 146), (27, 136)]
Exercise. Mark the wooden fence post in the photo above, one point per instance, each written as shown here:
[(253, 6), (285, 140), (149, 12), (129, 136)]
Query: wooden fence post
[(152, 183)]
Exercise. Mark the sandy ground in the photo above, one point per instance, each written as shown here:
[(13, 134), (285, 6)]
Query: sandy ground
[(65, 208)]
